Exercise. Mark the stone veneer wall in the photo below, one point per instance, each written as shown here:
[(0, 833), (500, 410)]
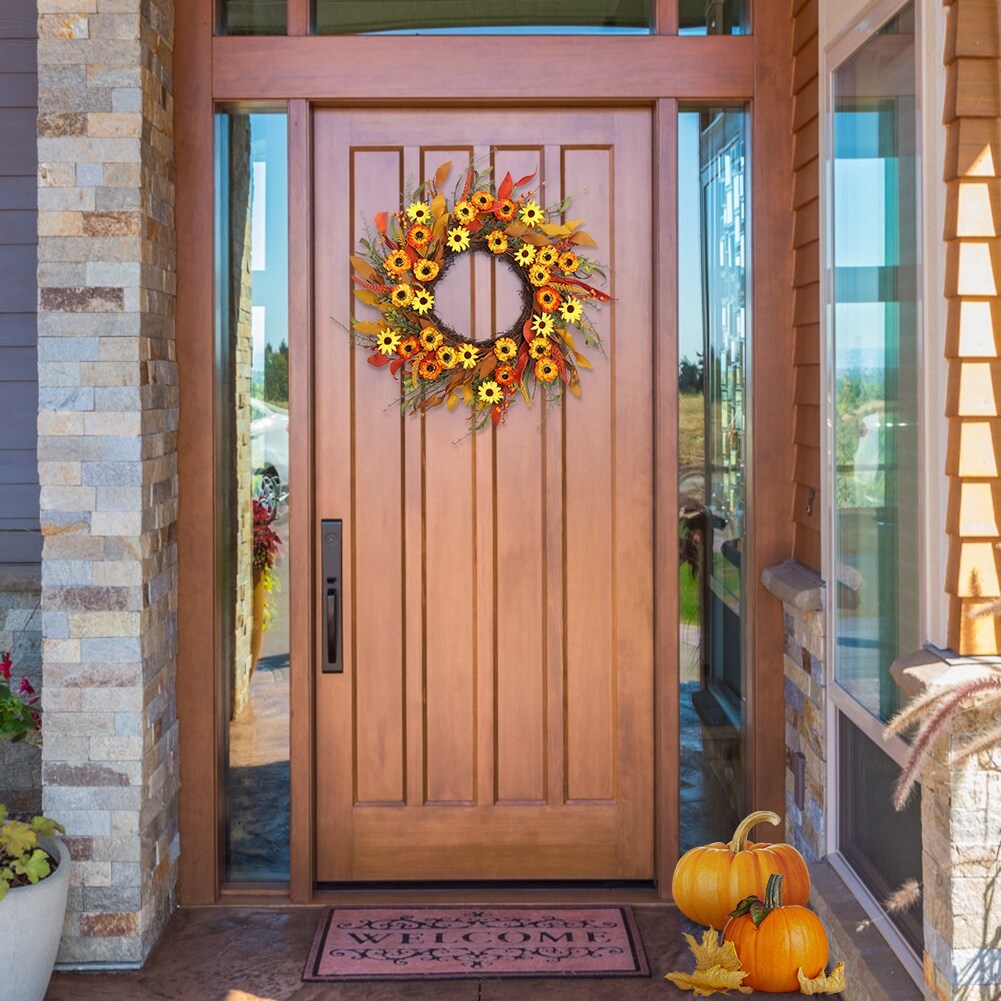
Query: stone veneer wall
[(241, 344), (21, 635), (107, 464)]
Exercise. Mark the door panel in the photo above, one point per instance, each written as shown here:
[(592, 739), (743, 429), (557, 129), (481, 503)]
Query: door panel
[(495, 715)]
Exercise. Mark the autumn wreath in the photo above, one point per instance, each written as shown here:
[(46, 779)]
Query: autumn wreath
[(398, 269)]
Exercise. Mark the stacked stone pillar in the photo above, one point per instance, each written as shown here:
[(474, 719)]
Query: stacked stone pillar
[(107, 464)]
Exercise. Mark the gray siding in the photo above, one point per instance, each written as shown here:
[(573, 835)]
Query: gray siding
[(18, 283)]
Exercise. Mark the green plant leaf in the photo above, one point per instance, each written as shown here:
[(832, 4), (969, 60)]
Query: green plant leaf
[(35, 867), (17, 838), (46, 826)]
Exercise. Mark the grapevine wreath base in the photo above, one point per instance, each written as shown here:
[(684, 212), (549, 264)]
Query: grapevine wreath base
[(398, 269)]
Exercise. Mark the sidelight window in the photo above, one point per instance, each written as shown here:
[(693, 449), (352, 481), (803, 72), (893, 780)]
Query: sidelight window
[(252, 357)]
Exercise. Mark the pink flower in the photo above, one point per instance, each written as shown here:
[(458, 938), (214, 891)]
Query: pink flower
[(26, 688), (5, 667)]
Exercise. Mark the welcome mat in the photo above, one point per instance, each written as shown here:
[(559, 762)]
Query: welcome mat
[(445, 943)]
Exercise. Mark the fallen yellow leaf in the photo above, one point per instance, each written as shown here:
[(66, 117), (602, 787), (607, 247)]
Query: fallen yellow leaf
[(706, 982), (833, 983), (710, 952)]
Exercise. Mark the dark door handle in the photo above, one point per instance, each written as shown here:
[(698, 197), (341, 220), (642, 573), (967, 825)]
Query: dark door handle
[(330, 536), (333, 663)]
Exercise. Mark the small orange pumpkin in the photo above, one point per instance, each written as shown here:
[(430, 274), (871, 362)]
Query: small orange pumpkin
[(710, 880), (773, 941)]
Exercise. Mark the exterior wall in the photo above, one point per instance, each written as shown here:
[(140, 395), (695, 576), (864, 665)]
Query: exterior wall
[(807, 505), (972, 114), (107, 464), (20, 541)]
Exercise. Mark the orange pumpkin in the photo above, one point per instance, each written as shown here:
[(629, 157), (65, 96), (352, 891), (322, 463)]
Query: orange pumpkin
[(773, 941), (710, 880)]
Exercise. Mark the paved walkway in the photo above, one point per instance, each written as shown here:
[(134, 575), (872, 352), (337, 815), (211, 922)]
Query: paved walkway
[(240, 954)]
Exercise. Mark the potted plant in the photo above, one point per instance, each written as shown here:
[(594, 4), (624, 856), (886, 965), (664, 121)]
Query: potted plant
[(265, 556), (34, 866)]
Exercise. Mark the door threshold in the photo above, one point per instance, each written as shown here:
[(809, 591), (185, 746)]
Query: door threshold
[(518, 892)]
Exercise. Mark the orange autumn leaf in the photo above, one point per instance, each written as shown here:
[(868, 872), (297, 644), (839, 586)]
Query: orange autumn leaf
[(364, 269), (442, 173), (705, 982)]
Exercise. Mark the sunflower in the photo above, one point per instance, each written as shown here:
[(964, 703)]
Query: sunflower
[(468, 355), (482, 199), (569, 262), (387, 341), (490, 392), (407, 348), (418, 236), (538, 275), (532, 214), (504, 374), (425, 271), (397, 263), (546, 256), (464, 212), (402, 295), (546, 370), (525, 254), (418, 212), (505, 210), (542, 324), (458, 239), (547, 299), (430, 369), (423, 301), (539, 348), (505, 348), (448, 356), (431, 339), (572, 310), (497, 242)]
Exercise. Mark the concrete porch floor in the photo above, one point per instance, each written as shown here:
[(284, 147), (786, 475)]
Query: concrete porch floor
[(243, 954)]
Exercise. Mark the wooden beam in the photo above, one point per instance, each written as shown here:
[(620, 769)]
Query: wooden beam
[(407, 69), (199, 678)]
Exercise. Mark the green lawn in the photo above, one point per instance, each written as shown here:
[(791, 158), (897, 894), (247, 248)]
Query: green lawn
[(689, 597)]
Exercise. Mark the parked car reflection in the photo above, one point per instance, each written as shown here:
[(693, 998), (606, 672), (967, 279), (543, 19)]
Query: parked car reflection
[(269, 452)]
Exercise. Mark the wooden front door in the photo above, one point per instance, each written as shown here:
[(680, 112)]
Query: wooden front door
[(494, 719)]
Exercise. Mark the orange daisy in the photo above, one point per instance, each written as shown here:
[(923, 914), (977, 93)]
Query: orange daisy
[(547, 299), (546, 256), (482, 199), (407, 348), (505, 210), (397, 263), (418, 236), (546, 370), (503, 374), (430, 369), (425, 271), (569, 262)]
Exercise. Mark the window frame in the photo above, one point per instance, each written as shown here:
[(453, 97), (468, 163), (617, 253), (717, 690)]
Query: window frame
[(931, 448)]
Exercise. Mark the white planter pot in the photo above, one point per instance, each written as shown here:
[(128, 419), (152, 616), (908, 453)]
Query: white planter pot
[(31, 924)]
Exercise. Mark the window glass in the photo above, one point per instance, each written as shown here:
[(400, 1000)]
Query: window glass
[(712, 348), (876, 377), (882, 845), (713, 17), (252, 337), (253, 17), (480, 16)]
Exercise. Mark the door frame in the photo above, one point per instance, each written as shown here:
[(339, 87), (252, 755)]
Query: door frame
[(299, 71)]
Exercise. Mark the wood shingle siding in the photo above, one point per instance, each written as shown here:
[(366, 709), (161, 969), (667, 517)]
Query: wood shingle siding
[(806, 267), (18, 283)]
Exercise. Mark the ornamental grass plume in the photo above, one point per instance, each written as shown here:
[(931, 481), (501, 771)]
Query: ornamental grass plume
[(932, 711)]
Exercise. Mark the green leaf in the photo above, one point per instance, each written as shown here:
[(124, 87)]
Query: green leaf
[(35, 867), (46, 826), (17, 838), (759, 912)]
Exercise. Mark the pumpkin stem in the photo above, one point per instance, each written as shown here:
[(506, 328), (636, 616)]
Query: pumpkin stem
[(773, 891), (739, 841)]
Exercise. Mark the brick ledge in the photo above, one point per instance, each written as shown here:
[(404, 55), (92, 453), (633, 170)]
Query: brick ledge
[(933, 667), (795, 584)]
